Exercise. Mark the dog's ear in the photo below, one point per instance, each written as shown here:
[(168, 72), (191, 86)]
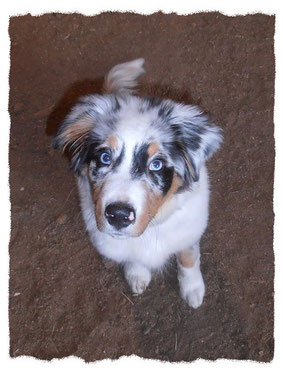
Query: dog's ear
[(197, 139), (78, 133), (73, 136)]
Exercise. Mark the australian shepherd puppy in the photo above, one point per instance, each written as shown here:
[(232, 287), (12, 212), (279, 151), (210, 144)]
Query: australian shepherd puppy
[(142, 180)]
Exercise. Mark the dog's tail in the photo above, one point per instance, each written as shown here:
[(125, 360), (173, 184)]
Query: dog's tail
[(122, 78)]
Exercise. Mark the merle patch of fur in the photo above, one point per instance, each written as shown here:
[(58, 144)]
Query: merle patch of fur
[(86, 154), (140, 158), (153, 102), (189, 134), (165, 111), (162, 179), (117, 106), (119, 160), (178, 153)]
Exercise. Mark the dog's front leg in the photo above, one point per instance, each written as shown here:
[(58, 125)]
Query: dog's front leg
[(138, 277), (190, 278)]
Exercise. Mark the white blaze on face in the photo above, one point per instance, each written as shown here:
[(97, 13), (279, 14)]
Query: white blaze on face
[(119, 186)]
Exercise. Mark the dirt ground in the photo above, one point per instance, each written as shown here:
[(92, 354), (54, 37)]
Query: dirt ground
[(64, 300)]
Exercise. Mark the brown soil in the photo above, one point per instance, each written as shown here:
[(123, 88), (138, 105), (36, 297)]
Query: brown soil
[(63, 299)]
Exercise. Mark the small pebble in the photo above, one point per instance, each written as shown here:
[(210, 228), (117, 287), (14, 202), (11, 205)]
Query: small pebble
[(61, 219), (22, 188)]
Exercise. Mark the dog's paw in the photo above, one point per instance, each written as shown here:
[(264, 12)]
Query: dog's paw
[(138, 277), (138, 284), (193, 296), (192, 291)]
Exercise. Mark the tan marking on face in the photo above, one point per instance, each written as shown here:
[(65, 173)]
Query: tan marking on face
[(154, 202), (176, 183), (112, 141), (98, 206), (186, 259), (77, 133), (153, 148)]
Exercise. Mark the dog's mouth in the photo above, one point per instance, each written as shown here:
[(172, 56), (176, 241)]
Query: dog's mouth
[(119, 235)]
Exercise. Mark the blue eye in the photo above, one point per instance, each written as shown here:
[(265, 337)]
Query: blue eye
[(105, 158), (156, 165)]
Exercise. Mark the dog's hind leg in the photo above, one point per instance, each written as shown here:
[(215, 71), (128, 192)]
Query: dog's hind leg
[(190, 278), (138, 277)]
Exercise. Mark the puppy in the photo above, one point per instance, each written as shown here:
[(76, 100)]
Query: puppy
[(142, 180)]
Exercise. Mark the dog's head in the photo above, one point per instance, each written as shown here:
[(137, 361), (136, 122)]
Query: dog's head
[(137, 153)]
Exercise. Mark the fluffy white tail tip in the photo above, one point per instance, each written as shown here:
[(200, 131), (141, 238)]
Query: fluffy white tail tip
[(122, 78)]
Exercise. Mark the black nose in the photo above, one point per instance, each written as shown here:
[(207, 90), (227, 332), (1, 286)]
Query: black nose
[(120, 215)]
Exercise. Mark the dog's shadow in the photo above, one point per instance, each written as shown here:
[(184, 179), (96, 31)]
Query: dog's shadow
[(69, 99), (88, 87)]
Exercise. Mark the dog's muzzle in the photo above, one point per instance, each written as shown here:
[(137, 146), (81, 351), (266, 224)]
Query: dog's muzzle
[(120, 215)]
